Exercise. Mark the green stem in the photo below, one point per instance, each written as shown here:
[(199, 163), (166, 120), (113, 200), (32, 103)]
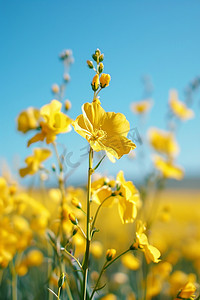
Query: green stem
[(97, 283), (14, 283), (88, 236), (59, 293), (97, 211), (112, 261), (72, 256)]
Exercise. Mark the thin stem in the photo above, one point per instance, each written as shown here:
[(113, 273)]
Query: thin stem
[(59, 293), (97, 211), (14, 283), (72, 256), (112, 261), (97, 283), (88, 236), (83, 233)]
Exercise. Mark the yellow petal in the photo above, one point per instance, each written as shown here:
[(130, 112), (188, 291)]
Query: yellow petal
[(127, 210)]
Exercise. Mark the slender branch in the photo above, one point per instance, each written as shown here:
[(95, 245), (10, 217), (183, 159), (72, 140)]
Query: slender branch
[(97, 211), (97, 283), (88, 236), (72, 256), (112, 261)]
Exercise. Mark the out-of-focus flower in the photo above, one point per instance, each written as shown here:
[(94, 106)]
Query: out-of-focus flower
[(104, 130), (68, 105), (55, 88), (34, 162), (28, 119), (179, 108), (96, 249), (151, 253), (142, 107), (34, 258), (66, 77), (187, 291), (130, 261), (54, 122), (167, 168), (104, 80), (179, 279), (163, 142)]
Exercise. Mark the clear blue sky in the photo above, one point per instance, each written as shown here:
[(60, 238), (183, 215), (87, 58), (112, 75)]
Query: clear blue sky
[(159, 38)]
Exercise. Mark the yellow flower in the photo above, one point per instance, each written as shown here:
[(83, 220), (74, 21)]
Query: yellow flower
[(151, 253), (34, 162), (104, 130), (95, 82), (125, 194), (28, 119), (104, 80), (110, 254), (141, 107), (96, 249), (129, 199), (130, 261), (34, 258), (54, 122), (163, 142), (179, 108), (167, 168), (187, 291)]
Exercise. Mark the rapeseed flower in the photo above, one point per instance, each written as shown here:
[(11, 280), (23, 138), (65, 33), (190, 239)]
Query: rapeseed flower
[(151, 253), (104, 130), (179, 108), (167, 168), (34, 162), (187, 291), (141, 107), (128, 199), (163, 142), (53, 123), (28, 119)]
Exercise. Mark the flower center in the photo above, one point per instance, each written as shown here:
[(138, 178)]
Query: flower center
[(98, 134)]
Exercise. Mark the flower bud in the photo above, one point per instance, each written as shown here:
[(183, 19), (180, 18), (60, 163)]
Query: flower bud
[(95, 83), (98, 52), (53, 167), (110, 254), (73, 219), (90, 64), (101, 66), (101, 57), (76, 203), (94, 56), (61, 280), (75, 231), (55, 88), (68, 104), (66, 77), (104, 80)]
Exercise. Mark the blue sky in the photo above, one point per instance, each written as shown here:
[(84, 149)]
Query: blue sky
[(158, 38)]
